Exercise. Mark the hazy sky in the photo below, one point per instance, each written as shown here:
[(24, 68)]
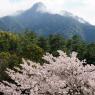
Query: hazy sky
[(81, 8)]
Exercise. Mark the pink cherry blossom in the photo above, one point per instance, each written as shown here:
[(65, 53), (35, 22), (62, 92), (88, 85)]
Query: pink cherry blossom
[(62, 75)]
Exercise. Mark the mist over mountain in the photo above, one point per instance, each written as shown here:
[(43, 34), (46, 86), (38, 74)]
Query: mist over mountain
[(42, 22)]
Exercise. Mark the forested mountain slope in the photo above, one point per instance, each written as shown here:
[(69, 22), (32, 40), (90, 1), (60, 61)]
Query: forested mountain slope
[(44, 23)]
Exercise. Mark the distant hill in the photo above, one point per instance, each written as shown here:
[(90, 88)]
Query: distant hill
[(44, 23)]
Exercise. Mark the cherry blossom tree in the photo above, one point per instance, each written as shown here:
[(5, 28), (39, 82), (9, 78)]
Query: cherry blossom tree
[(62, 75)]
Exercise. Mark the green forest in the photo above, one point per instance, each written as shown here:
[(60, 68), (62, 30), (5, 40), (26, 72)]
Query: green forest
[(28, 45)]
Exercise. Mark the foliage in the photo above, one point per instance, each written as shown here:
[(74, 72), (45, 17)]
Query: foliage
[(90, 55), (57, 42), (33, 52), (43, 42), (62, 75), (28, 45), (23, 44), (7, 60)]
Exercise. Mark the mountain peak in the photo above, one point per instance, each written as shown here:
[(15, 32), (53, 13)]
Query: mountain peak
[(38, 7)]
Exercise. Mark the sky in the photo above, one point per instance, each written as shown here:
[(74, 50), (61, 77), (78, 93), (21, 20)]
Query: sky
[(81, 8)]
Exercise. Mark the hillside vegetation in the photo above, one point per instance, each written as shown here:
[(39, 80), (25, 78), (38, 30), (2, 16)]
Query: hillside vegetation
[(14, 46)]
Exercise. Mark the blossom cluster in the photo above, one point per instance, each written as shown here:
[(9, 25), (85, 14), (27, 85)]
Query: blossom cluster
[(62, 75)]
